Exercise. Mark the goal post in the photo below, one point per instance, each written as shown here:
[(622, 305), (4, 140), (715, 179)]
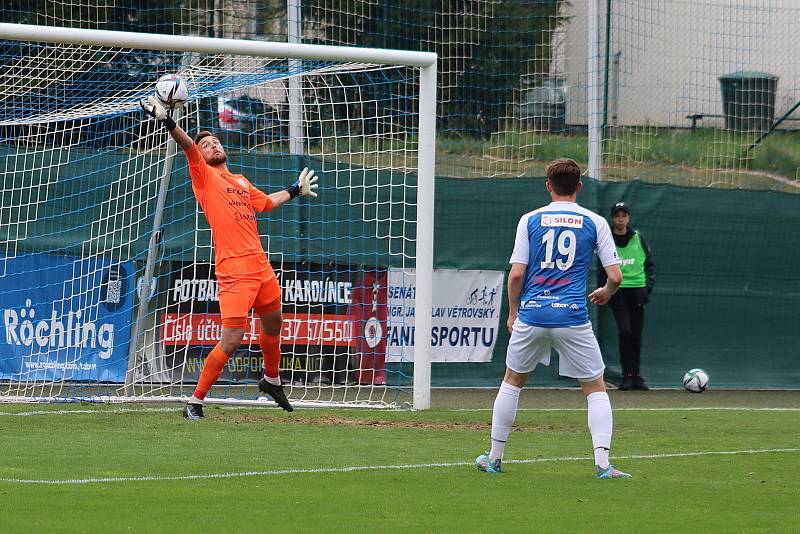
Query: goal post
[(88, 186)]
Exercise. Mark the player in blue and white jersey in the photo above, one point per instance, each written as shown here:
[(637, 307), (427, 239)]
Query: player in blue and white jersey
[(547, 290)]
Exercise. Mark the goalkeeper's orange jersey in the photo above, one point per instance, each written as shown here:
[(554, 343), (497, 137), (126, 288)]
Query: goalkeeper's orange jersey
[(229, 202)]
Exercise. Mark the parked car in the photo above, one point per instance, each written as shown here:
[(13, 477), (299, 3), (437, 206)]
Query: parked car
[(249, 122), (545, 104)]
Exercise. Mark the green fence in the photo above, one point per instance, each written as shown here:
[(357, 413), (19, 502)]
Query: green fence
[(727, 285), (727, 295)]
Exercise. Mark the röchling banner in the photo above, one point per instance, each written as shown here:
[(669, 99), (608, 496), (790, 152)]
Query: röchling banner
[(65, 318)]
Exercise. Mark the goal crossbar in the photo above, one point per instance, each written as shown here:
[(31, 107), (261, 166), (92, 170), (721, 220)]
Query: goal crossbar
[(425, 61), (213, 45)]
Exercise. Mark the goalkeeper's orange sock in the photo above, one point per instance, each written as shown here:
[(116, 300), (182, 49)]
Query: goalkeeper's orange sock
[(271, 349), (210, 373)]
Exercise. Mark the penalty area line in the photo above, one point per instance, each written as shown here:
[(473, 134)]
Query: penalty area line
[(359, 468)]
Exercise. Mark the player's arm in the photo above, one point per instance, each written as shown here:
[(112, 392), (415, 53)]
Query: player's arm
[(607, 252), (519, 264), (649, 265), (602, 277), (155, 110), (516, 279), (197, 167), (601, 295), (305, 185)]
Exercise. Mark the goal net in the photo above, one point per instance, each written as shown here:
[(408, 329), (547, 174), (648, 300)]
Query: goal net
[(106, 259)]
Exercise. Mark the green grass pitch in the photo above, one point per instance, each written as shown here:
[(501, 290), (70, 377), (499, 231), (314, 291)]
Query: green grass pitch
[(716, 462)]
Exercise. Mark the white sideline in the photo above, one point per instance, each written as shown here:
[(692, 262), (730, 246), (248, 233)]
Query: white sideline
[(351, 469), (83, 412), (675, 409), (235, 407)]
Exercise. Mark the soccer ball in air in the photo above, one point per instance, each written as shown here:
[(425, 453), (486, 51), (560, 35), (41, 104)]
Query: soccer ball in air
[(695, 380), (172, 91)]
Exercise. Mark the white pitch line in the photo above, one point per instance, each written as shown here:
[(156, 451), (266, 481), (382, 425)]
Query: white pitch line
[(357, 468), (176, 409), (663, 409), (81, 412)]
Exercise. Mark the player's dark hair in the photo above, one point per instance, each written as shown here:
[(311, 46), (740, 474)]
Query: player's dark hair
[(202, 135), (564, 175)]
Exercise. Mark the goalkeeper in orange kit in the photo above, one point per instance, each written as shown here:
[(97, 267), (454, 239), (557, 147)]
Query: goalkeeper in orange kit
[(245, 277)]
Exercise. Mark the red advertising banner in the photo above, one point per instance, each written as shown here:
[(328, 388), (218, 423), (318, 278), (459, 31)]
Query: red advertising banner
[(204, 329), (319, 337), (368, 310)]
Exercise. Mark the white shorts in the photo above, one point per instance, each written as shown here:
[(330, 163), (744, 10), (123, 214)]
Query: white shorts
[(579, 353)]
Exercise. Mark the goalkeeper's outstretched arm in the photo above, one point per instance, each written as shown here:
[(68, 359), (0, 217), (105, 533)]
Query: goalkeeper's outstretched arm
[(305, 185), (306, 182), (152, 108)]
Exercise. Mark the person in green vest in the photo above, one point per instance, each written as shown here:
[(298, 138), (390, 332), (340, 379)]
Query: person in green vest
[(634, 293)]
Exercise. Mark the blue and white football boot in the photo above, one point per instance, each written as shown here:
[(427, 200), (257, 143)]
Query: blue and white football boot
[(483, 463), (610, 472)]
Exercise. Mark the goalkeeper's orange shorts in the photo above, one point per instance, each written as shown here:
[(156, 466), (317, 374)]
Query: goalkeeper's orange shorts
[(245, 283)]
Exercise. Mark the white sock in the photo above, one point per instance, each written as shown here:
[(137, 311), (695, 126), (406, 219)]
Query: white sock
[(503, 415), (601, 457), (600, 426), (276, 381), (195, 400)]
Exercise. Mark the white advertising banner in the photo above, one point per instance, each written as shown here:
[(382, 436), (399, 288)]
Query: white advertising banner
[(465, 317)]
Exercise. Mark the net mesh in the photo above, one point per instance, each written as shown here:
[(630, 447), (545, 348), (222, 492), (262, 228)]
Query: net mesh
[(694, 87), (512, 83), (109, 260), (688, 94)]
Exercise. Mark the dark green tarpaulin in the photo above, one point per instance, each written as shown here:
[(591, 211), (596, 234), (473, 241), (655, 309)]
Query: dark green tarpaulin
[(727, 294)]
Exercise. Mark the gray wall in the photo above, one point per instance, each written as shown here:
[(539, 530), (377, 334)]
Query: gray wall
[(673, 52)]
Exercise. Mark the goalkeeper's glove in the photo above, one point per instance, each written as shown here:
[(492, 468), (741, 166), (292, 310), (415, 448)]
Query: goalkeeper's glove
[(305, 185), (151, 106)]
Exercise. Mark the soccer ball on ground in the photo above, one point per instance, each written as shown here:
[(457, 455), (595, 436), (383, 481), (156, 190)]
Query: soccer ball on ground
[(695, 380), (171, 91)]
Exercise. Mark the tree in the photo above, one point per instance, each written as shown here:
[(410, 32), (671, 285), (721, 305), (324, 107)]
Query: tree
[(481, 58)]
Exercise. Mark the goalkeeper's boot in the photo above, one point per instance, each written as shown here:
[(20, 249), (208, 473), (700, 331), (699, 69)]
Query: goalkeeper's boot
[(484, 463), (276, 392), (193, 410), (610, 472)]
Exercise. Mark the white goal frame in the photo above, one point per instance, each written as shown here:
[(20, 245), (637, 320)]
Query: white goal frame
[(424, 61)]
